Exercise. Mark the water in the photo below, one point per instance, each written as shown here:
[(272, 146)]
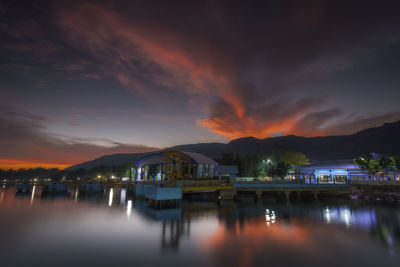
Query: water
[(114, 230)]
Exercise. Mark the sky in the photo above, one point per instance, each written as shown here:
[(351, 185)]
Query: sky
[(81, 79)]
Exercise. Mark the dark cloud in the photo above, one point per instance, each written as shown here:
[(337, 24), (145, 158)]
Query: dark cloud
[(363, 122), (23, 137)]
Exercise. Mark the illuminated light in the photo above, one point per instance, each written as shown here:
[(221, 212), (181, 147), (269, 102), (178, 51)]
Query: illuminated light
[(123, 195), (327, 216), (347, 219), (112, 176), (346, 216), (389, 240), (129, 208), (110, 198), (270, 216), (33, 194), (98, 176), (76, 195)]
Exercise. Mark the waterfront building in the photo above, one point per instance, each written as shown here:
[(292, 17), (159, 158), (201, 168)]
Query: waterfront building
[(329, 172), (197, 166)]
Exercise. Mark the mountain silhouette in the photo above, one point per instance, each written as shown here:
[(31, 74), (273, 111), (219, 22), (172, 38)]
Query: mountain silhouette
[(384, 140)]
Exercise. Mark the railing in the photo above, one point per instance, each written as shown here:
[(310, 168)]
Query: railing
[(275, 182), (202, 183), (287, 185), (376, 182)]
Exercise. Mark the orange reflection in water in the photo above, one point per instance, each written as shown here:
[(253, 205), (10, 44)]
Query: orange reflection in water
[(244, 240)]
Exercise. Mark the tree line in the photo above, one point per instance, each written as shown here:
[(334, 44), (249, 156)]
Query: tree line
[(274, 164), (379, 168)]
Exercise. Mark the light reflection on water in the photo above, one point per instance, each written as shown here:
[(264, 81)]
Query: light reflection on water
[(98, 230)]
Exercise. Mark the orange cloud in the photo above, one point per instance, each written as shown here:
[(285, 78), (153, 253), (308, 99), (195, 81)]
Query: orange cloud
[(159, 62), (121, 42)]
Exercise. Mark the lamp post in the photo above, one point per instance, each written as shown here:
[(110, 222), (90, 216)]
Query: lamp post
[(267, 162)]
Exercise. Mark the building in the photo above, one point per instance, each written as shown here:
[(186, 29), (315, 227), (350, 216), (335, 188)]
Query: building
[(191, 165), (329, 172), (228, 172)]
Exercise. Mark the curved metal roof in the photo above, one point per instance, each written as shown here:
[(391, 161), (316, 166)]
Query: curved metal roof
[(159, 158), (331, 164), (200, 158)]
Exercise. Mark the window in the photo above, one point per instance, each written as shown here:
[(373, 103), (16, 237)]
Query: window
[(340, 178), (324, 178), (211, 170), (358, 176), (199, 171)]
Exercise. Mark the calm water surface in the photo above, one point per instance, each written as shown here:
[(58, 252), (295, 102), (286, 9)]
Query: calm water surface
[(115, 230)]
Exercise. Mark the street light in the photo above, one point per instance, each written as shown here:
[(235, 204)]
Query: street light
[(268, 161)]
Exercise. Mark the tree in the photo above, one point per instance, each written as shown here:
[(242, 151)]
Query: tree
[(227, 159), (290, 157), (395, 165), (124, 170), (280, 169), (368, 165), (383, 166)]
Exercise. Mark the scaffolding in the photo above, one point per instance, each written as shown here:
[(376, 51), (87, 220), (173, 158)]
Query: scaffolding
[(177, 166)]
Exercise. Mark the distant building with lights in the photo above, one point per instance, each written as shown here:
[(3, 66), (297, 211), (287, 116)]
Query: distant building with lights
[(329, 172)]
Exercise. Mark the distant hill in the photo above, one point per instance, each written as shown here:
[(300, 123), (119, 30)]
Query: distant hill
[(384, 139)]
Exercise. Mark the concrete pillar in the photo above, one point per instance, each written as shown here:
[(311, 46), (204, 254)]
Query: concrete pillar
[(258, 193), (232, 178), (287, 196), (316, 193)]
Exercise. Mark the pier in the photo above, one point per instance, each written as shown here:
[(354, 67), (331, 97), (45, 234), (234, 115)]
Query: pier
[(159, 195), (287, 190)]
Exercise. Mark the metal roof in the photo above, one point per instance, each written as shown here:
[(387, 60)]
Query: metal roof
[(200, 158), (329, 165), (159, 158)]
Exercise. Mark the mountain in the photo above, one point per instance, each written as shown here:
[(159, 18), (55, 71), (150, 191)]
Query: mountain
[(384, 139)]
